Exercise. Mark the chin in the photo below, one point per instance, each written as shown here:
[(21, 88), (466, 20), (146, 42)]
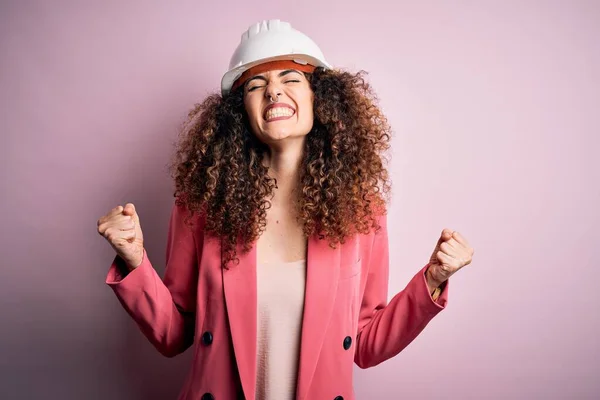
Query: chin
[(283, 132), (278, 135)]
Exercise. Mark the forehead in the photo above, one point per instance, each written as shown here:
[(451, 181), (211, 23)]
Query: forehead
[(278, 72)]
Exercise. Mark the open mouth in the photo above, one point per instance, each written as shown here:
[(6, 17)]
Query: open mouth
[(276, 112)]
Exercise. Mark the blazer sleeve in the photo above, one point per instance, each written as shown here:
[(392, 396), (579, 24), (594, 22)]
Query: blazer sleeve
[(386, 329), (164, 309)]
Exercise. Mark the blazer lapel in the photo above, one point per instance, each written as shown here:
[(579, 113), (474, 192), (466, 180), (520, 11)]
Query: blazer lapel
[(239, 283), (321, 286)]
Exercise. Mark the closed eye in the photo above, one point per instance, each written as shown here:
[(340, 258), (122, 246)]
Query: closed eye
[(259, 86)]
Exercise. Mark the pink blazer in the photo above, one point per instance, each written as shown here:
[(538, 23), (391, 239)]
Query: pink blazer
[(347, 318)]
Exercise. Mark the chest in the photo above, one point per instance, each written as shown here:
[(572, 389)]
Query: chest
[(283, 239)]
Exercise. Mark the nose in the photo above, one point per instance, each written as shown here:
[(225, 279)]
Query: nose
[(273, 92)]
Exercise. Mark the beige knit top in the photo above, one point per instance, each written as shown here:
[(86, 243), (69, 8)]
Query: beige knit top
[(280, 305)]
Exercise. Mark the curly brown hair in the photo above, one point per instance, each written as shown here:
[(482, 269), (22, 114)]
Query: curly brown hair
[(344, 185)]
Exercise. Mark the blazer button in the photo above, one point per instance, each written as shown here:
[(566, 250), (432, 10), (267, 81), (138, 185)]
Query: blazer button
[(207, 396), (338, 398), (207, 339), (347, 343)]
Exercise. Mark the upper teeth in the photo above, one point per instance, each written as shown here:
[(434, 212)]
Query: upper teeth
[(279, 112)]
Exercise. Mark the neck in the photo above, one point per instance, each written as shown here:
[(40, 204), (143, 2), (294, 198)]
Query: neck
[(284, 165)]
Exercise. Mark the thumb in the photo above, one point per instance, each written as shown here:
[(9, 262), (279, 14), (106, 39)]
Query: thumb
[(445, 236), (130, 210)]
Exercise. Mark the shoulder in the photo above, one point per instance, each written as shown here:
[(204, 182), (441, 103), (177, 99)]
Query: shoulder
[(190, 214)]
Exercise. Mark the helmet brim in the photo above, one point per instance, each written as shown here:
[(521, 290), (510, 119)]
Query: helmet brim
[(233, 74)]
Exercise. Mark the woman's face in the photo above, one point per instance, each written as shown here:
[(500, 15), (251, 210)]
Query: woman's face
[(279, 104)]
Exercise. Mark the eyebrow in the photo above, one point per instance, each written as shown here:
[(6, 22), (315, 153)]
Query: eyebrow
[(282, 73)]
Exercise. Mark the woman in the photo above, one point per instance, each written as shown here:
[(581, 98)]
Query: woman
[(277, 254)]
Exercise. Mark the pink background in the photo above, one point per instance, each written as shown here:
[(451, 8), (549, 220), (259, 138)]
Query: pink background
[(495, 109)]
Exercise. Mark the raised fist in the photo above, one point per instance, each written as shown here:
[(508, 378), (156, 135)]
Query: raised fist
[(121, 227)]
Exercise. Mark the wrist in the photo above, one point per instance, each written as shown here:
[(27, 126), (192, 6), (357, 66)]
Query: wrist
[(432, 283), (135, 263)]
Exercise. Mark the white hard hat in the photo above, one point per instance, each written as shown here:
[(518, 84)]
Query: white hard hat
[(271, 40)]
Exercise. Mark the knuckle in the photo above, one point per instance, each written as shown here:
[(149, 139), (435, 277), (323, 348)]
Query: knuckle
[(110, 234)]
